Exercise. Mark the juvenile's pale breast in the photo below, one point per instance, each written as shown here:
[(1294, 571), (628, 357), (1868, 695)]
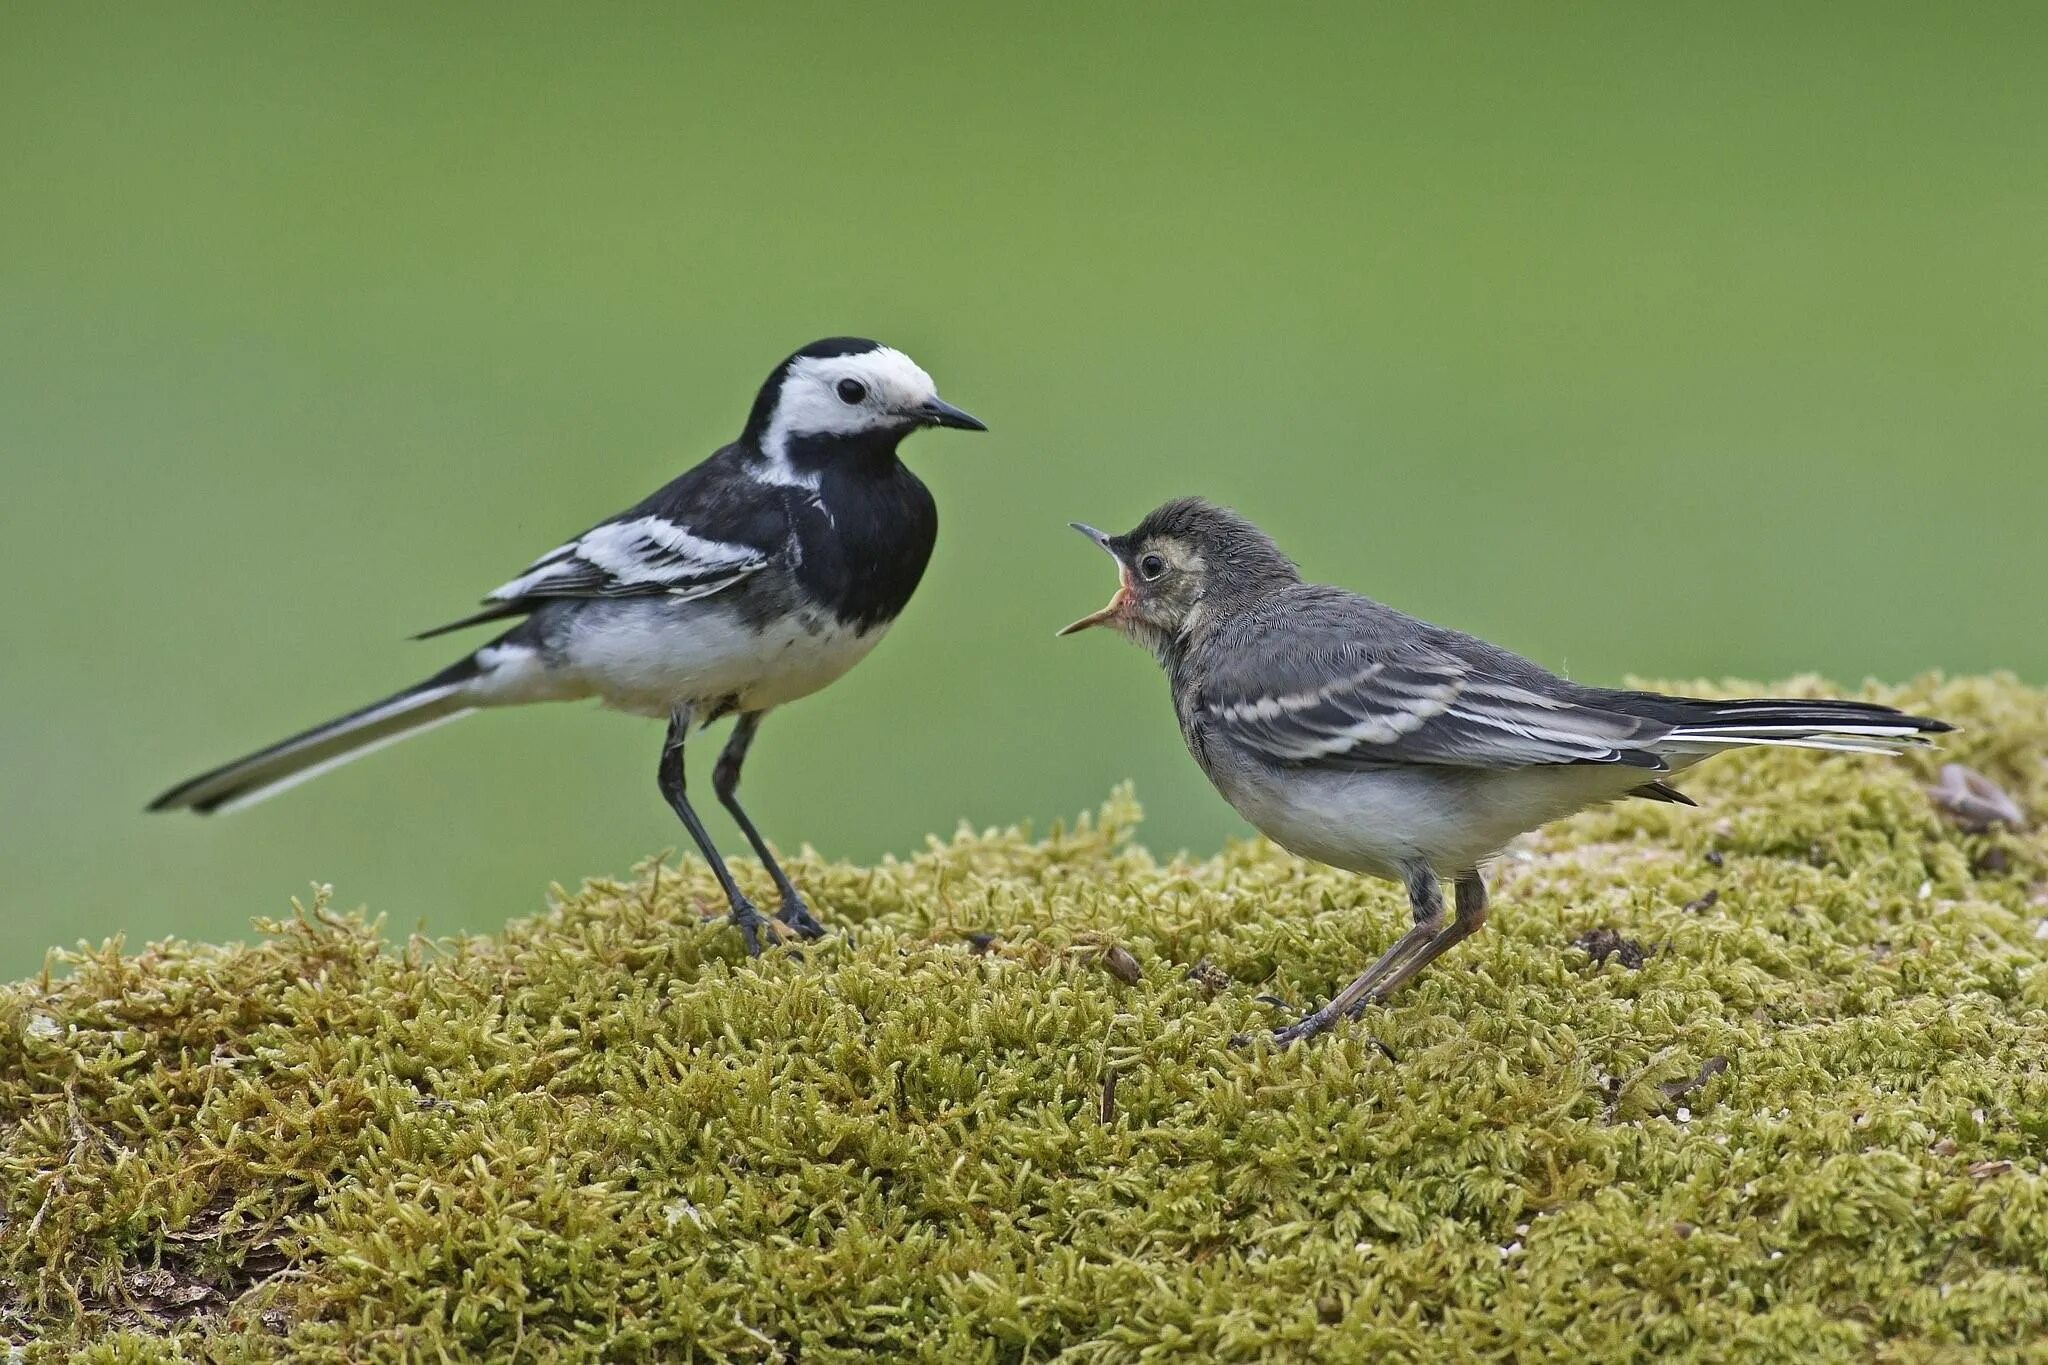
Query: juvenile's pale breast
[(1375, 819)]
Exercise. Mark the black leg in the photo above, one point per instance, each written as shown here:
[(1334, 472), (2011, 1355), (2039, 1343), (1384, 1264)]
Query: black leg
[(669, 776), (725, 780), (1426, 899)]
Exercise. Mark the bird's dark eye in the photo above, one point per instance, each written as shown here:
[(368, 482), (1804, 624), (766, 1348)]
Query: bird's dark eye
[(852, 391), (1151, 566)]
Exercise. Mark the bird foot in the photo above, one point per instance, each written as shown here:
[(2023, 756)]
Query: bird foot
[(797, 916), (1308, 1026), (1303, 1029), (751, 925), (1314, 1024)]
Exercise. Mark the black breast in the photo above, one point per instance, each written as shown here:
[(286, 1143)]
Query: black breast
[(863, 539)]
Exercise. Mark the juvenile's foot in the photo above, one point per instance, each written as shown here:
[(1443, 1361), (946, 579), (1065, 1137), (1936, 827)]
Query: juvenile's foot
[(1308, 1026), (1365, 1002)]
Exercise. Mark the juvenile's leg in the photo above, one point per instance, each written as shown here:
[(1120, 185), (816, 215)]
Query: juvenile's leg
[(1471, 916), (1426, 900)]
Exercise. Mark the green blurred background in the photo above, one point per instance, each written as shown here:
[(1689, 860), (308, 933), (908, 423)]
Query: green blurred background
[(1676, 341)]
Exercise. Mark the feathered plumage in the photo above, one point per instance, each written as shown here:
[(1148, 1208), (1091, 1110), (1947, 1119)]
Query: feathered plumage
[(753, 579), (1362, 737)]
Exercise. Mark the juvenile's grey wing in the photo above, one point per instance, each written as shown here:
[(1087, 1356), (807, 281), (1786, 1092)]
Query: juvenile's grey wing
[(1334, 687)]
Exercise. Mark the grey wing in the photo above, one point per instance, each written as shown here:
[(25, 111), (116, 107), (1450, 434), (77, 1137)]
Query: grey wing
[(1325, 697)]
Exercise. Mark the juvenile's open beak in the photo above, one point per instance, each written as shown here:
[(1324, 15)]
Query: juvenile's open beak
[(1123, 587), (937, 412)]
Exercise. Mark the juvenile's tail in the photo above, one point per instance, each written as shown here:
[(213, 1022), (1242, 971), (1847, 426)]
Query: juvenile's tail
[(1854, 727), (304, 756)]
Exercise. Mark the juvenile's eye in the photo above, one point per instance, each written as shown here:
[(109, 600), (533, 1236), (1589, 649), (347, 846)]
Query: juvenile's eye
[(852, 392), (1151, 565)]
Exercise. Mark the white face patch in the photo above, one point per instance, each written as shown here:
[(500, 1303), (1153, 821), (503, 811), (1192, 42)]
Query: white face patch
[(887, 389)]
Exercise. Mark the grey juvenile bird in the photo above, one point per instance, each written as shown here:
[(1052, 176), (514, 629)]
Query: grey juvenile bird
[(1360, 737), (756, 578)]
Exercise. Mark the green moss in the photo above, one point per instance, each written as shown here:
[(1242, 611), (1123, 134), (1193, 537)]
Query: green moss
[(1812, 1125)]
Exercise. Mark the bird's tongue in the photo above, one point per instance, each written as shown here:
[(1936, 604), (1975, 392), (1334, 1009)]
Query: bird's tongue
[(1108, 614)]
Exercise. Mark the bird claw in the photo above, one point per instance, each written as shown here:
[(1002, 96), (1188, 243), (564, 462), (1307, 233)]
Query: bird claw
[(749, 922), (1307, 1027), (797, 916), (1302, 1031), (759, 932), (1285, 1036)]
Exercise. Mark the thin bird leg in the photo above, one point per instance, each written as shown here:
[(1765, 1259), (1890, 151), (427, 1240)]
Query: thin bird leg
[(1426, 898), (1471, 915), (725, 780), (669, 777)]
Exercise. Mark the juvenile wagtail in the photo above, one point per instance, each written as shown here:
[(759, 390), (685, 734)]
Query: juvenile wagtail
[(1359, 737), (752, 580)]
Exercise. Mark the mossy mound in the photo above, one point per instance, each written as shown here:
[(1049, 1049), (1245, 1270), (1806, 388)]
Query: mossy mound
[(1809, 1122)]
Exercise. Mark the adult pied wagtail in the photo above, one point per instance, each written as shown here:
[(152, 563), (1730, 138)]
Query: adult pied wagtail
[(1357, 736), (756, 578)]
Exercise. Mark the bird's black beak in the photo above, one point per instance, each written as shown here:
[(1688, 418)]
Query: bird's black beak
[(937, 412), (1118, 603)]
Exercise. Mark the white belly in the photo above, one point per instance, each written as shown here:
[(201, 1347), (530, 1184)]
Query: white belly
[(1453, 819), (655, 659)]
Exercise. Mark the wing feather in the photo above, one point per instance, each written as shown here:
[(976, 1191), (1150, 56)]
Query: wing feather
[(703, 532), (1334, 686), (638, 557)]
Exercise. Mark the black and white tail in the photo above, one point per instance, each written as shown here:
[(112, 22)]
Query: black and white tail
[(1853, 727), (244, 782)]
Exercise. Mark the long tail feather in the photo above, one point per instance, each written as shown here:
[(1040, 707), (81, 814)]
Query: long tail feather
[(1837, 726), (305, 756), (1833, 743)]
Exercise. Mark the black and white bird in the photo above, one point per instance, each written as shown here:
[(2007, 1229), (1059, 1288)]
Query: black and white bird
[(1363, 738), (754, 579)]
